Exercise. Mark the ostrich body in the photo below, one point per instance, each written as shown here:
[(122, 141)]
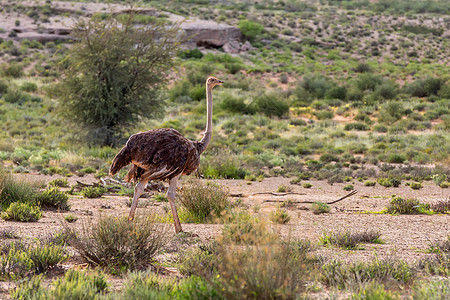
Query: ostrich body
[(161, 154)]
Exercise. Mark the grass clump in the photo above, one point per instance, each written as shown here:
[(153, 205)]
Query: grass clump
[(344, 276), (320, 208), (71, 218), (374, 291), (74, 285), (349, 187), (441, 206), (432, 289), (93, 192), (307, 185), (116, 243), (18, 260), (53, 198), (284, 188), (348, 240), (160, 197), (242, 227), (12, 190), (280, 216), (22, 212), (203, 202), (370, 183), (415, 185), (401, 206)]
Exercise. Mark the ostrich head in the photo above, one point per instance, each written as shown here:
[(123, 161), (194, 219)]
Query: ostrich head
[(213, 81)]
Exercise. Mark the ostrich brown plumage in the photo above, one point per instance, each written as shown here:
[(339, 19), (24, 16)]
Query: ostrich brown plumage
[(161, 154)]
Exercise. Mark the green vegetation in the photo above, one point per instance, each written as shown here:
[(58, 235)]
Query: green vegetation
[(280, 216), (23, 212), (93, 192), (400, 206), (350, 240), (320, 208)]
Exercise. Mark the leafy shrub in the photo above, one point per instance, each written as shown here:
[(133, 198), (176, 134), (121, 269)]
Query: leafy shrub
[(396, 158), (23, 212), (350, 240), (441, 206), (399, 205), (16, 96), (370, 183), (234, 105), (190, 53), (432, 289), (61, 182), (415, 185), (53, 198), (355, 126), (250, 29), (242, 227), (374, 291), (29, 87), (74, 285), (424, 87), (270, 105), (200, 261), (388, 181), (12, 70), (160, 197), (93, 192), (280, 216), (349, 187), (3, 87), (203, 202), (307, 185), (118, 244), (221, 165), (34, 259), (320, 208)]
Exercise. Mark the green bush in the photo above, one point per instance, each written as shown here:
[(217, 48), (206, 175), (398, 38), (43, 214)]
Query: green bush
[(242, 227), (349, 187), (74, 285), (52, 198), (370, 183), (194, 53), (71, 218), (250, 29), (280, 216), (13, 190), (395, 158), (118, 244), (400, 206), (389, 181), (61, 182), (415, 185), (23, 212), (16, 97), (320, 208), (203, 201), (355, 126), (93, 192), (350, 240), (270, 105), (29, 87)]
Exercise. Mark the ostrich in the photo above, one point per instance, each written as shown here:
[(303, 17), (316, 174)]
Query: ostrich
[(161, 154)]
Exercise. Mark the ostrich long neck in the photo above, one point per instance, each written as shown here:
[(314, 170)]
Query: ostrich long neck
[(209, 110)]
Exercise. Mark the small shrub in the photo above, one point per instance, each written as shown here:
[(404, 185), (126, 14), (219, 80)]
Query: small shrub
[(399, 205), (199, 261), (160, 197), (389, 181), (242, 227), (374, 291), (22, 212), (432, 289), (395, 158), (60, 182), (345, 276), (118, 244), (444, 184), (8, 233), (355, 126), (29, 87), (203, 202), (370, 183), (415, 185), (441, 206), (53, 198), (307, 185), (71, 218), (284, 188), (349, 187), (320, 208), (88, 170), (12, 190), (350, 240), (93, 192), (280, 216)]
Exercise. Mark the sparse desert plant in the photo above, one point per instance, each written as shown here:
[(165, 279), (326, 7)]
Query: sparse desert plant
[(242, 227), (389, 181), (74, 285), (415, 185), (374, 291), (160, 197), (441, 246), (349, 187), (284, 188), (349, 240), (370, 183), (307, 185), (320, 208), (8, 233), (352, 276), (71, 218), (432, 289), (203, 202), (118, 244), (398, 205), (12, 190), (22, 212), (199, 261), (93, 192), (60, 182), (441, 206), (280, 216), (36, 258), (53, 198)]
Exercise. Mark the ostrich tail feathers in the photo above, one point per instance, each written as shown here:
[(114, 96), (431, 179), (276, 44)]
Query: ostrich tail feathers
[(122, 159)]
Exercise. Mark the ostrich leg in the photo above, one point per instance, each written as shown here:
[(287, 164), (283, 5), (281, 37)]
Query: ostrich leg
[(171, 197), (138, 190)]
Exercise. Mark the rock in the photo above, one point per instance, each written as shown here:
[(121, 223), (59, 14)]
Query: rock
[(211, 34), (247, 47)]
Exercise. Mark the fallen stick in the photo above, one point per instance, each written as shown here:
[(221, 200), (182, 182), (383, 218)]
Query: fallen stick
[(332, 202), (278, 194)]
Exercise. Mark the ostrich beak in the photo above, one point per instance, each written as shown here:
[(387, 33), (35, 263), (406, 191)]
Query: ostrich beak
[(219, 81)]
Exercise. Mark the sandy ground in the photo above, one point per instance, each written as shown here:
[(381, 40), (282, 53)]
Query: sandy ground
[(406, 236)]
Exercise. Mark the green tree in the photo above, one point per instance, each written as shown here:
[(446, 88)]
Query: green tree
[(114, 74), (250, 29)]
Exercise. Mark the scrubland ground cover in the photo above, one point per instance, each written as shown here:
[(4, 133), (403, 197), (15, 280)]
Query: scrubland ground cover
[(332, 96)]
